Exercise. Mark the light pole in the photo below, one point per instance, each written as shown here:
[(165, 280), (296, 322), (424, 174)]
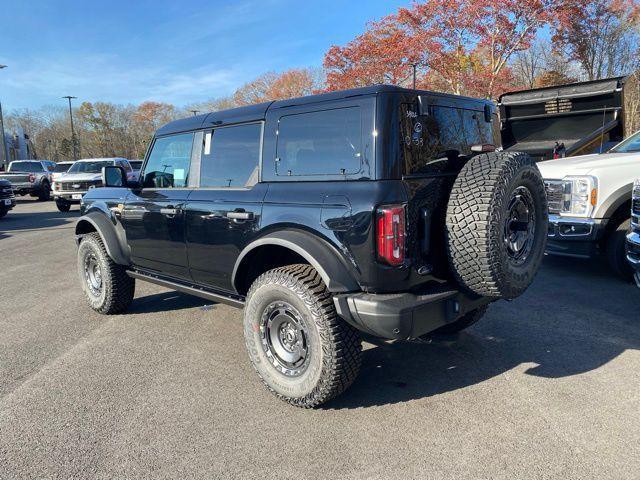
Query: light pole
[(73, 133), (3, 145), (195, 112)]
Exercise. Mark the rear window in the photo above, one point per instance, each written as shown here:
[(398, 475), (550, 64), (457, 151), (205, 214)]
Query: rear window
[(25, 167), (435, 141), (327, 142)]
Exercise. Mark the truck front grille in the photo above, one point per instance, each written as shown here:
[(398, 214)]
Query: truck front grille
[(555, 195), (77, 186), (6, 192)]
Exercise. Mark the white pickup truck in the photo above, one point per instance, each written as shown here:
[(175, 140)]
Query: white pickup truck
[(590, 203)]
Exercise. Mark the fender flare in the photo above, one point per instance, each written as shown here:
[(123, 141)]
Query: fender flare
[(614, 201), (319, 253), (107, 232)]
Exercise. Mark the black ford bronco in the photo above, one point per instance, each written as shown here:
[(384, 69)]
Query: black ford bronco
[(379, 210)]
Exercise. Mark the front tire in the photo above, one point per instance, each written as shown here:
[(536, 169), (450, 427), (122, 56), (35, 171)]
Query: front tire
[(303, 352), (45, 192), (615, 251), (63, 206), (3, 212), (105, 284)]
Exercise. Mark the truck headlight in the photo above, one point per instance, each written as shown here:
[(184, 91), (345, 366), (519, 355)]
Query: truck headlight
[(580, 196)]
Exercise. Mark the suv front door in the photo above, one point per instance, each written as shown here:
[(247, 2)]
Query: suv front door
[(223, 214), (153, 215)]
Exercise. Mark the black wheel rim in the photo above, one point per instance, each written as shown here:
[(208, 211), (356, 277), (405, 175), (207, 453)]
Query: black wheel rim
[(93, 274), (520, 225), (284, 338)]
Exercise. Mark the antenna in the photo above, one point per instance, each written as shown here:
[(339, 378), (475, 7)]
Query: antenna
[(604, 112)]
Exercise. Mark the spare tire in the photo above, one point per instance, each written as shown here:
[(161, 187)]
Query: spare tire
[(496, 224)]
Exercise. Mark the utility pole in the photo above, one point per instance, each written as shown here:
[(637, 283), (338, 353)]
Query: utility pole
[(195, 112), (73, 133), (3, 145), (415, 65)]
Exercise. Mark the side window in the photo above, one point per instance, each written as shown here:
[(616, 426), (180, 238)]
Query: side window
[(231, 156), (328, 142), (125, 165), (51, 166), (168, 164)]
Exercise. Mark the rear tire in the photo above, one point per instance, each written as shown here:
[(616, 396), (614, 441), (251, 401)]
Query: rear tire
[(105, 284), (63, 206), (616, 253), (302, 351), (496, 225)]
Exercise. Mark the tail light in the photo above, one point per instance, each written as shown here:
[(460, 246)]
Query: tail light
[(391, 234), (32, 178)]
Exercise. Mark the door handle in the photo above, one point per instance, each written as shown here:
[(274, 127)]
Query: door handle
[(169, 211), (240, 215)]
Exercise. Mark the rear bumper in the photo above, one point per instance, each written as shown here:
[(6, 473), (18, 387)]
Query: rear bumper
[(574, 237), (405, 315)]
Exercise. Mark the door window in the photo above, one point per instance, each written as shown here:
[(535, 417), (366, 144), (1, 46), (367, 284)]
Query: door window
[(169, 160), (231, 156)]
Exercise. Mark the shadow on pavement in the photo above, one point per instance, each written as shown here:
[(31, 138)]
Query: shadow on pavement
[(26, 221), (575, 318), (166, 301)]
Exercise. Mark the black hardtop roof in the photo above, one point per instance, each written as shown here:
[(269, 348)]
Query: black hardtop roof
[(258, 112)]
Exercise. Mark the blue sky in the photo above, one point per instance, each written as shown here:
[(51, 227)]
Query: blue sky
[(173, 51)]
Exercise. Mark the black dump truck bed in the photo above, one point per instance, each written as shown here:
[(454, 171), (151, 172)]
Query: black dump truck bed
[(585, 117)]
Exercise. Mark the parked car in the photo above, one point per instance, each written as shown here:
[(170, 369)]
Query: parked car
[(7, 197), (590, 202), (83, 175), (633, 237), (380, 210), (60, 169), (30, 177)]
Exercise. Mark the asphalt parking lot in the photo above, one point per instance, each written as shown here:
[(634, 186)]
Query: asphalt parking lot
[(546, 386)]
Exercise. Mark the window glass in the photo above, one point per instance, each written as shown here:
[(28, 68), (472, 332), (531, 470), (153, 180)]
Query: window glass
[(320, 143), (62, 167), (231, 156), (26, 167), (435, 142), (89, 166), (168, 164), (631, 144)]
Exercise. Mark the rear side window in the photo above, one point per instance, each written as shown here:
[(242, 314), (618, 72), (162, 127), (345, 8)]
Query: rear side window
[(169, 160), (327, 142), (231, 156), (434, 142)]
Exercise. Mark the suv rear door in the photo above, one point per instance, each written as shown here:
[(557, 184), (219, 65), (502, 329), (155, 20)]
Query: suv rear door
[(153, 215), (223, 214)]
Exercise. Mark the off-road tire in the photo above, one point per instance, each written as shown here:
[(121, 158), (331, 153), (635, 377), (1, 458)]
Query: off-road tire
[(63, 206), (334, 346), (45, 192), (117, 290), (477, 214), (615, 251), (3, 212), (463, 322)]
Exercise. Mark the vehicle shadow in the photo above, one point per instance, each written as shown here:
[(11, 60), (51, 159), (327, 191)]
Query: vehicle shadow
[(167, 301), (575, 318), (16, 221)]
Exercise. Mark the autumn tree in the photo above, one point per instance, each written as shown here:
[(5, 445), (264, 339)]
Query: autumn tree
[(601, 35), (277, 86), (461, 46)]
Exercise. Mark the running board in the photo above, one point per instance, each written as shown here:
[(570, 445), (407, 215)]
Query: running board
[(196, 290)]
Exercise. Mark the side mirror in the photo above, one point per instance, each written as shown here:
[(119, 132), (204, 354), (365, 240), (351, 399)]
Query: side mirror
[(113, 176)]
